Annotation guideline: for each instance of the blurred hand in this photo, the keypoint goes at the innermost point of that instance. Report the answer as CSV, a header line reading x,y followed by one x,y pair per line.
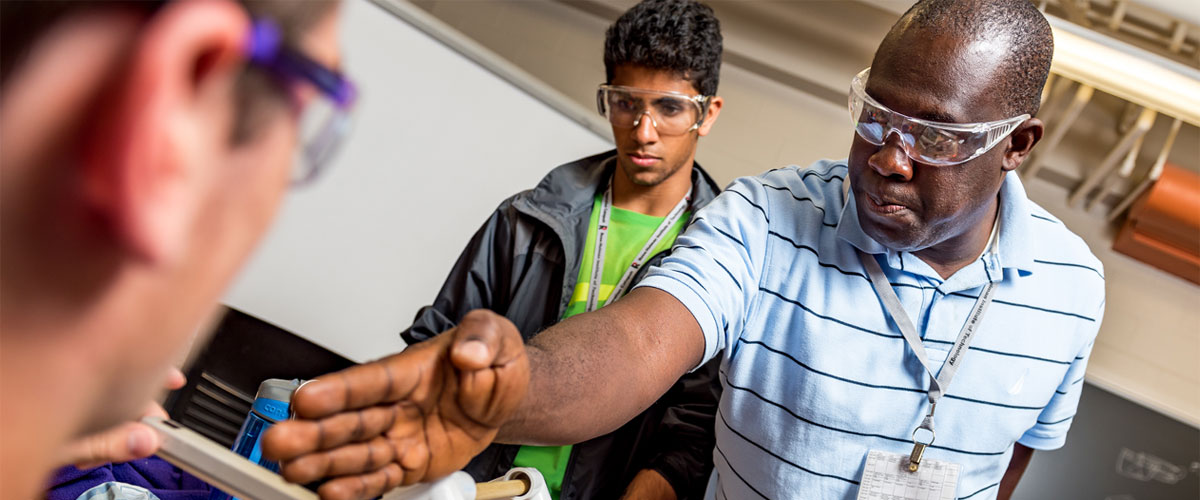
x,y
648,484
125,442
415,416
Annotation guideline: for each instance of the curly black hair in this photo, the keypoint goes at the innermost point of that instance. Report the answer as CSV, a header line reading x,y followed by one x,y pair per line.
x,y
682,36
1017,23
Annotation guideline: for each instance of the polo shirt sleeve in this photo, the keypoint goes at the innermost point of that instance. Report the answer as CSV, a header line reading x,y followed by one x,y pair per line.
x,y
1050,431
715,265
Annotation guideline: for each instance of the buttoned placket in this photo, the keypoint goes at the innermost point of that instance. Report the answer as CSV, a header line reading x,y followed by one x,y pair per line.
x,y
933,313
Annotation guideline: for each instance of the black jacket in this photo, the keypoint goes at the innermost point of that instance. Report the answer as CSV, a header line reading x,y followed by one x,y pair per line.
x,y
523,263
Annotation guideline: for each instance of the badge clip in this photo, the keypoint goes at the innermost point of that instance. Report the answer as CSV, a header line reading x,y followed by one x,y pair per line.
x,y
914,460
918,451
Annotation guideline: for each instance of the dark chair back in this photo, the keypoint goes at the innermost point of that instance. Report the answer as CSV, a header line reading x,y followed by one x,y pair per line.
x,y
224,377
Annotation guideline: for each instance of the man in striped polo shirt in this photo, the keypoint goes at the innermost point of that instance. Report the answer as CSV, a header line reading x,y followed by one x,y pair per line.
x,y
845,297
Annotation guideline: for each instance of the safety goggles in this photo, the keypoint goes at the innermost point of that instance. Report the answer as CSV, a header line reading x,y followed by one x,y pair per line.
x,y
671,113
929,142
324,121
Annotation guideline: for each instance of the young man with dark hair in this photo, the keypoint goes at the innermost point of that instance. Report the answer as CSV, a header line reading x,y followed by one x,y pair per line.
x,y
588,231
145,148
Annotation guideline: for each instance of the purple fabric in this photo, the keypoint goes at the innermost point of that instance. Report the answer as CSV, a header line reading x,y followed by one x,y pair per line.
x,y
154,474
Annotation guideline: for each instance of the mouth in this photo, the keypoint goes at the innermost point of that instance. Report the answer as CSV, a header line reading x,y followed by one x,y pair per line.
x,y
643,160
884,206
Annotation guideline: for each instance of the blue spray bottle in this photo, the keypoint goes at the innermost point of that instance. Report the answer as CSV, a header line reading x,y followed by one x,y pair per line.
x,y
271,405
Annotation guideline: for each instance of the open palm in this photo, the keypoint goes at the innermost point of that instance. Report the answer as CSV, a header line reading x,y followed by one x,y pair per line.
x,y
414,416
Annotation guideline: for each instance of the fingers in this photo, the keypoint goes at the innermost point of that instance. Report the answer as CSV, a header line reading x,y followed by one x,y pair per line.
x,y
326,408
155,410
125,442
476,395
128,441
494,369
418,414
482,339
364,486
175,379
491,396
387,380
405,447
350,459
290,439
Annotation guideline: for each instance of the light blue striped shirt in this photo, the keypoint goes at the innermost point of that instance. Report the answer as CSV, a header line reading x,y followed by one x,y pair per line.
x,y
815,374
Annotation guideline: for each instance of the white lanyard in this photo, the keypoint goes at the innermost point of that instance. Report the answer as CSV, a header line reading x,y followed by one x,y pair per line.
x,y
937,385
638,260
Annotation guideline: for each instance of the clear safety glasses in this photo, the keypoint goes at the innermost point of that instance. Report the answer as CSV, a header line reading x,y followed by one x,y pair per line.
x,y
929,142
324,121
671,113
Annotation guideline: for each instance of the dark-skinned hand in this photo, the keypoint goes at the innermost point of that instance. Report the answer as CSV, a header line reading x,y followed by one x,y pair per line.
x,y
415,416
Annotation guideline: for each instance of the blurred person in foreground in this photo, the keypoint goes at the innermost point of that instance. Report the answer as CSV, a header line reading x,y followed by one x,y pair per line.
x,y
145,148
844,296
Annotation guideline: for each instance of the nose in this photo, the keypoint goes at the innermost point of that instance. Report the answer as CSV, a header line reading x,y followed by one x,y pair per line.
x,y
891,160
644,129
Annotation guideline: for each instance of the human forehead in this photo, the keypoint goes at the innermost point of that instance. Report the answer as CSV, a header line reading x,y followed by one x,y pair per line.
x,y
644,78
940,79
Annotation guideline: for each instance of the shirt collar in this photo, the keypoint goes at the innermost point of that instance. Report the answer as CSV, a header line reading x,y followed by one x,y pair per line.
x,y
1016,226
1015,248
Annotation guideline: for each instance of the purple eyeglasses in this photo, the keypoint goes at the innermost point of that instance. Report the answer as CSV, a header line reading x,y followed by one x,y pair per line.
x,y
323,122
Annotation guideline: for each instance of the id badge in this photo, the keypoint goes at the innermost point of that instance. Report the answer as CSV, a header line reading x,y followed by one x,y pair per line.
x,y
886,477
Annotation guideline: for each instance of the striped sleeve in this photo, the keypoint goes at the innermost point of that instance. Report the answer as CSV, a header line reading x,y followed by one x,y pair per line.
x,y
716,263
1050,431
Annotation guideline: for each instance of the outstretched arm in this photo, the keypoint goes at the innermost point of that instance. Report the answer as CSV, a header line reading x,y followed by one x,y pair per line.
x,y
423,413
620,359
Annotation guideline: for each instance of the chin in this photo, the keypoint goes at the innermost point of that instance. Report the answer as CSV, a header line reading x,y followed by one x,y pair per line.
x,y
641,176
898,238
647,180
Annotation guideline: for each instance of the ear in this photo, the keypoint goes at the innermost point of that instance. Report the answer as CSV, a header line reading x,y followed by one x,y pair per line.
x,y
714,110
1021,143
169,110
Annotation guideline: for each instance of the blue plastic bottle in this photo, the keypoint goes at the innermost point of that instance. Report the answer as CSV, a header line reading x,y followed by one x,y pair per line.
x,y
270,406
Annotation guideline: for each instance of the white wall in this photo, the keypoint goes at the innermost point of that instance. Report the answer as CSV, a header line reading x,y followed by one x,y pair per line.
x,y
438,143
764,124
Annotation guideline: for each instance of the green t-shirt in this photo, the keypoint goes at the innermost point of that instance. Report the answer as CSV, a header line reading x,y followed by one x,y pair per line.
x,y
627,232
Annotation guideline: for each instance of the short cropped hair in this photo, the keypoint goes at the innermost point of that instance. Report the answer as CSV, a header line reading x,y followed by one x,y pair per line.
x,y
1030,41
682,36
23,22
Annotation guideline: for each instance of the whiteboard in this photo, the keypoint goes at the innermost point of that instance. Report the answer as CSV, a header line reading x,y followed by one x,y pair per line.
x,y
437,143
